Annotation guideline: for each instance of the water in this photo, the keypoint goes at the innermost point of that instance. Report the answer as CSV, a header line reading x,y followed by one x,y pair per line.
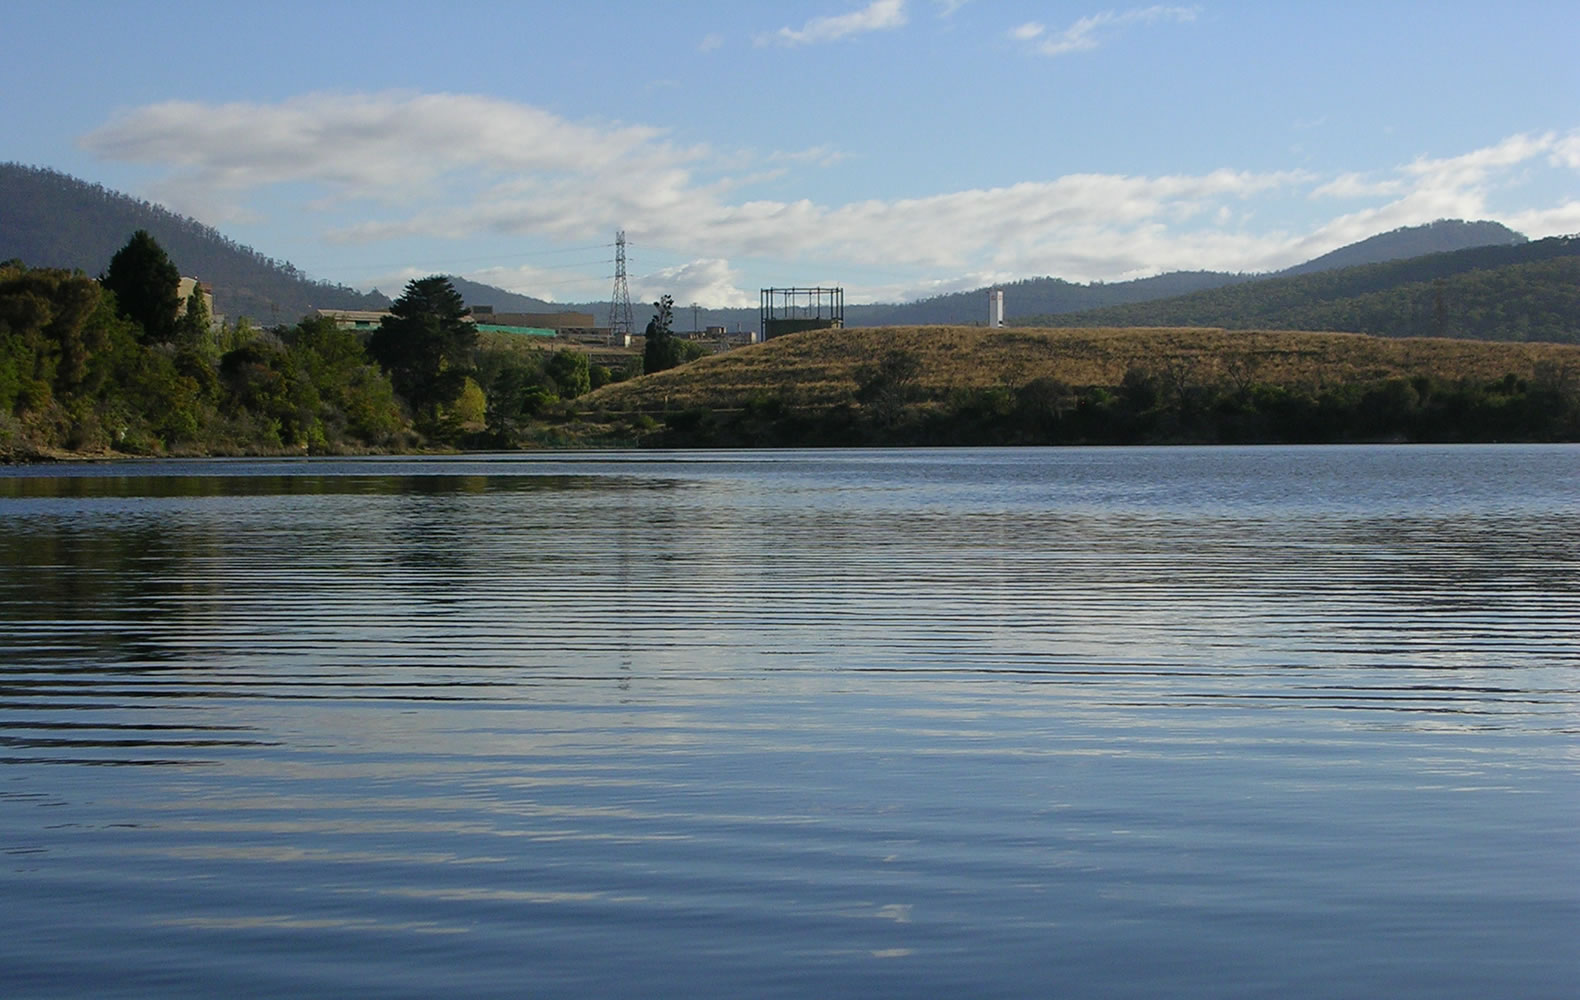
x,y
1100,723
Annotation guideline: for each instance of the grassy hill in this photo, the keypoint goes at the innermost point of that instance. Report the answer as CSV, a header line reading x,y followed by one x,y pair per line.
x,y
823,367
973,385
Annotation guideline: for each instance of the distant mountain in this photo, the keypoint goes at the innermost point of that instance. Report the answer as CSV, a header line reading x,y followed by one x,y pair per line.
x,y
1036,295
476,293
1520,291
1053,296
50,219
1442,236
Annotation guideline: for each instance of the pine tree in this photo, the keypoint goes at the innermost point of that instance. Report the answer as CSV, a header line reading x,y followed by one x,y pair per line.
x,y
426,345
146,286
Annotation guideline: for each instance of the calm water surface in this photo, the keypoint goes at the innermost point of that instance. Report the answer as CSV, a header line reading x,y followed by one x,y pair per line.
x,y
1091,723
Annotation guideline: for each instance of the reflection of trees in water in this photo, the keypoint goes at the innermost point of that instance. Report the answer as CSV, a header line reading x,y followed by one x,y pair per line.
x,y
429,531
104,595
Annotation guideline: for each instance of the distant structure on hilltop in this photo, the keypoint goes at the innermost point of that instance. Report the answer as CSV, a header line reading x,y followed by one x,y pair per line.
x,y
791,310
996,307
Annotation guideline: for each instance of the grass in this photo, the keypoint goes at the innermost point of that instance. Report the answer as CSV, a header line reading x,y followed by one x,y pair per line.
x,y
820,368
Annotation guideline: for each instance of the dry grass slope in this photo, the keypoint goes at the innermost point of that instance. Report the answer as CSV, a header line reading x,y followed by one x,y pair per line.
x,y
819,368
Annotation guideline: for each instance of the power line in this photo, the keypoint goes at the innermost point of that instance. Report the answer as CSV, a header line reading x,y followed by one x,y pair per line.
x,y
449,263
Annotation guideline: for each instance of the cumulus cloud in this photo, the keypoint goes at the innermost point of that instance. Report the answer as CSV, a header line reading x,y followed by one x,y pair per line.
x,y
1558,220
880,15
467,168
711,282
1453,187
1088,32
1566,153
369,145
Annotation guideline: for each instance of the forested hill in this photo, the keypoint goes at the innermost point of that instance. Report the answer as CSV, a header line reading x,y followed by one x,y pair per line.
x,y
1037,295
477,294
1527,291
1025,300
1442,236
50,219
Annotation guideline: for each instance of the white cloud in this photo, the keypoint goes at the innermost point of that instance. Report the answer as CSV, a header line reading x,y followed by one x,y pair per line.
x,y
822,156
709,282
1353,185
1559,220
710,41
880,15
469,169
1428,189
379,145
1566,153
1087,32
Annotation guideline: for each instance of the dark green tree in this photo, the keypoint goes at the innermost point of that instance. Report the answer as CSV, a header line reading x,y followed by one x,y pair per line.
x,y
146,286
516,395
355,396
661,351
427,346
570,373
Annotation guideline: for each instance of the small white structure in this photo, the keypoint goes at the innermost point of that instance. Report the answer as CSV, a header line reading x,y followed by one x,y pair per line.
x,y
996,307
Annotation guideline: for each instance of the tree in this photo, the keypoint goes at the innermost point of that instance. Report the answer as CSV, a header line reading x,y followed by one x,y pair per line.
x,y
146,286
355,396
515,396
570,372
426,345
885,387
661,350
194,325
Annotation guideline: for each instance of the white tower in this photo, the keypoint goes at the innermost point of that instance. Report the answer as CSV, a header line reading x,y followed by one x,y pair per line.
x,y
996,307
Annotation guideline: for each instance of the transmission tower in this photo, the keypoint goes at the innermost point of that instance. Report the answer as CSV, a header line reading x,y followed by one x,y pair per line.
x,y
620,331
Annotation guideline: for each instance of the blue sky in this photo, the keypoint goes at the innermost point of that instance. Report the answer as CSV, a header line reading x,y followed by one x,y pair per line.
x,y
899,148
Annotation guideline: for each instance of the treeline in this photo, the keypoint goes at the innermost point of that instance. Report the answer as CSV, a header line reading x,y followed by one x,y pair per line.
x,y
78,374
121,365
1148,406
53,219
1528,291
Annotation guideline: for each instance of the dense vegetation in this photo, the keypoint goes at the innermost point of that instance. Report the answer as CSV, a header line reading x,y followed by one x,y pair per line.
x,y
77,373
121,365
1528,291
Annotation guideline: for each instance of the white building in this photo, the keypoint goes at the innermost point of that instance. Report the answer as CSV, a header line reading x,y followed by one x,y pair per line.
x,y
996,307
